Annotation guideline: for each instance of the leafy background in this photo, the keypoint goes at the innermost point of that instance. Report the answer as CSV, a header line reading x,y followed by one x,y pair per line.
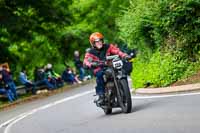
x,y
165,33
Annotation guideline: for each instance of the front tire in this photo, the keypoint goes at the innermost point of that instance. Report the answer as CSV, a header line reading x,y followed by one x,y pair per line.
x,y
126,102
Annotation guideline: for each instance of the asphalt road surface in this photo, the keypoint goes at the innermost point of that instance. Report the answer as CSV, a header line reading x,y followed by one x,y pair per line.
x,y
74,112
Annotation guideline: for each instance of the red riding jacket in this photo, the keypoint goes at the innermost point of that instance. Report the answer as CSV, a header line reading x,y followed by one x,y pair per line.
x,y
94,55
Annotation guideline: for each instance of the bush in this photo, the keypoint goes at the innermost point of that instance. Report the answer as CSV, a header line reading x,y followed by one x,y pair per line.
x,y
159,70
170,25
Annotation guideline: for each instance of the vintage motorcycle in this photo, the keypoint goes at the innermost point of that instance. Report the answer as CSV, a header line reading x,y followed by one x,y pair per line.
x,y
117,92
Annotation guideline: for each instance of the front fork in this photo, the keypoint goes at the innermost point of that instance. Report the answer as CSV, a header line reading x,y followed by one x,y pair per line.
x,y
120,75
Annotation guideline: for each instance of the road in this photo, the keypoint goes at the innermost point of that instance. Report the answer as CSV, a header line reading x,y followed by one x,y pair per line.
x,y
74,112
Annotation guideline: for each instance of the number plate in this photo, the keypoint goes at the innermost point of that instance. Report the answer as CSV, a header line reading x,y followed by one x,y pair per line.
x,y
118,64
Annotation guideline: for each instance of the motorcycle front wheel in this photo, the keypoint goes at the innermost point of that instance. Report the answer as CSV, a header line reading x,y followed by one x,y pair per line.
x,y
126,102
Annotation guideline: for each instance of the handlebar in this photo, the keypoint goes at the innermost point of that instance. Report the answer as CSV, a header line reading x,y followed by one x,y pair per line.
x,y
106,62
111,57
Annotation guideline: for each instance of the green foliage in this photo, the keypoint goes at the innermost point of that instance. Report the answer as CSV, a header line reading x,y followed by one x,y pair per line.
x,y
165,32
138,24
169,26
48,31
31,32
91,16
161,70
156,23
191,69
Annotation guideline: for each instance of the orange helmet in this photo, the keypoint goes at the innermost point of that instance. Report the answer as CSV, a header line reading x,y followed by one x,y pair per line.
x,y
96,36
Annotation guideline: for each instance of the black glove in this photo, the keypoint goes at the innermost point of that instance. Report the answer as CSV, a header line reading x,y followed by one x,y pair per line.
x,y
127,57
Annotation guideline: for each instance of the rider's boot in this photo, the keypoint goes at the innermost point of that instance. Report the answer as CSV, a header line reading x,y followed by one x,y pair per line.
x,y
100,100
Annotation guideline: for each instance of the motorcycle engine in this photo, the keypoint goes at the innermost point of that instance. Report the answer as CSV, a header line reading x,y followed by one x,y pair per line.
x,y
109,85
108,72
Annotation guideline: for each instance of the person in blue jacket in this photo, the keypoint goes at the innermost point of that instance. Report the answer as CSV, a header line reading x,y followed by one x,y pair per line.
x,y
24,80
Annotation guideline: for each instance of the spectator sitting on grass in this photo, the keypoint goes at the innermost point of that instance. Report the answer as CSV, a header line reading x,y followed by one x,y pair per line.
x,y
69,76
24,80
53,77
40,79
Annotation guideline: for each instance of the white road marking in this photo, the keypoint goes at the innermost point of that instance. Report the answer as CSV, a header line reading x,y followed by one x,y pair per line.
x,y
165,96
8,124
14,120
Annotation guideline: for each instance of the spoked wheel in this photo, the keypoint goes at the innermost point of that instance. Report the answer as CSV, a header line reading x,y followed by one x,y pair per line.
x,y
125,96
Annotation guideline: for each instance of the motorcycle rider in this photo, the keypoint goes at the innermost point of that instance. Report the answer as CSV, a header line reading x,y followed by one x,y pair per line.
x,y
97,54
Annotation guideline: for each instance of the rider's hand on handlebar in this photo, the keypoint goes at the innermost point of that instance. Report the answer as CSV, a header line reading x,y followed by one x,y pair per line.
x,y
127,57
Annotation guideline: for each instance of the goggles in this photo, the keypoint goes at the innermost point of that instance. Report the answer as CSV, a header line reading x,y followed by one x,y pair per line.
x,y
98,40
